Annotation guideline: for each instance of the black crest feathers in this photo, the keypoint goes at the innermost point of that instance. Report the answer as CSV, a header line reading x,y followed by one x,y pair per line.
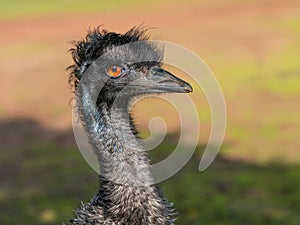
x,y
95,44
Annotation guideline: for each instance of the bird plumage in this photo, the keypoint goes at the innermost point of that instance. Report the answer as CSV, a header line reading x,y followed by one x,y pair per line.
x,y
127,193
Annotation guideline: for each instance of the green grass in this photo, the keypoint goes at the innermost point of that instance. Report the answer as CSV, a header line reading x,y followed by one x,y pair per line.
x,y
42,182
47,181
278,74
25,8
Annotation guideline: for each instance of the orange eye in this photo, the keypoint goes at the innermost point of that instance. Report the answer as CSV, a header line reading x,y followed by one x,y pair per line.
x,y
115,71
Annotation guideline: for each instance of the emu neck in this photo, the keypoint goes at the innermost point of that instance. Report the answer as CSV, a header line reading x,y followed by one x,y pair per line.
x,y
111,133
124,195
121,157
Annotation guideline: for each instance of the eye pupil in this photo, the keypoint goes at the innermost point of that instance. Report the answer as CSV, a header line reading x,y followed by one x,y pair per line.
x,y
115,71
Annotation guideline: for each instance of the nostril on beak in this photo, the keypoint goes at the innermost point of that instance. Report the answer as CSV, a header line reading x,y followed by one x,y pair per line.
x,y
164,80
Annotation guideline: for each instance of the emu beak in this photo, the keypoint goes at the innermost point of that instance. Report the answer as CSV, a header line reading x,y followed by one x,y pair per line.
x,y
164,81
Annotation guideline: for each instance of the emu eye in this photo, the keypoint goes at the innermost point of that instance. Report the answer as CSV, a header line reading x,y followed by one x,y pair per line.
x,y
115,71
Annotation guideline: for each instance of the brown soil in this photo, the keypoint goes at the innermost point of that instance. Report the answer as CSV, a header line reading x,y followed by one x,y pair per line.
x,y
34,51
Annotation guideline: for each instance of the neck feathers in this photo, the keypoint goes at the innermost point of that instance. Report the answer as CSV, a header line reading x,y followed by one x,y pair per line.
x,y
122,159
124,167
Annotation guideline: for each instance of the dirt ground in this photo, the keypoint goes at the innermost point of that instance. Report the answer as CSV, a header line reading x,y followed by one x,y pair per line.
x,y
34,53
248,44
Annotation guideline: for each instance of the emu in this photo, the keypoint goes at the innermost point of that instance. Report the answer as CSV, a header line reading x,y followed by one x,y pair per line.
x,y
110,71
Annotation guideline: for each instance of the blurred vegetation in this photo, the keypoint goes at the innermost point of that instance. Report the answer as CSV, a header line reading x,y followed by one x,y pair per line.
x,y
48,180
255,179
23,8
15,9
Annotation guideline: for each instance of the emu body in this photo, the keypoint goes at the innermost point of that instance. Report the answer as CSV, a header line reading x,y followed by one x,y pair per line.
x,y
127,195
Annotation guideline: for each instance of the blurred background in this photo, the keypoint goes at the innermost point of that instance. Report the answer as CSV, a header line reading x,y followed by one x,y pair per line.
x,y
252,47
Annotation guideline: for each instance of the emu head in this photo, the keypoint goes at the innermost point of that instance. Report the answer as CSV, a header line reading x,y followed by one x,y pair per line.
x,y
127,64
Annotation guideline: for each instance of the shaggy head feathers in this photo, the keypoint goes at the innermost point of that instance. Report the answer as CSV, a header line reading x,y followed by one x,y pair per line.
x,y
98,41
